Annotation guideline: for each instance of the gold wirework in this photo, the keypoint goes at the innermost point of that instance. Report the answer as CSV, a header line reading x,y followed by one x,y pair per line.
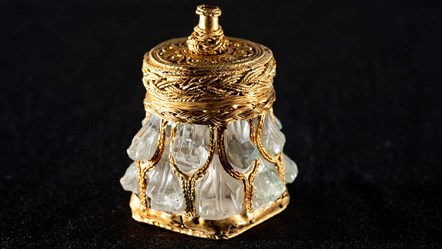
x,y
207,37
246,178
188,182
267,156
144,167
208,78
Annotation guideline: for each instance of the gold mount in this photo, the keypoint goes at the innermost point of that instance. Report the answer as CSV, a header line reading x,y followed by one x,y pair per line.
x,y
188,222
210,229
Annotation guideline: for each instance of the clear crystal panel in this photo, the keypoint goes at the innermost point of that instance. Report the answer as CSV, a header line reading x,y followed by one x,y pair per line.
x,y
267,185
129,181
164,188
241,151
145,141
218,195
272,138
190,149
290,168
278,122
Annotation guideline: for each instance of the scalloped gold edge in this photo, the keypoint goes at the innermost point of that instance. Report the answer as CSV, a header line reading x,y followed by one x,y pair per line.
x,y
210,229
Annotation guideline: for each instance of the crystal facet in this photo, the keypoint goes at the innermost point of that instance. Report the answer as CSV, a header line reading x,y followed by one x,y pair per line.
x,y
241,151
267,185
145,141
218,195
290,168
129,181
272,138
190,147
164,188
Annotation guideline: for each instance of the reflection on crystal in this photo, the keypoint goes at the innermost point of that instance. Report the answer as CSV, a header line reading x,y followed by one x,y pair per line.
x,y
290,168
218,195
241,151
168,128
278,122
272,138
190,149
129,181
267,185
145,141
164,188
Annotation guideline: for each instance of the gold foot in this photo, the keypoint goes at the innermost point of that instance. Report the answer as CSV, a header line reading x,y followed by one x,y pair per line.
x,y
211,229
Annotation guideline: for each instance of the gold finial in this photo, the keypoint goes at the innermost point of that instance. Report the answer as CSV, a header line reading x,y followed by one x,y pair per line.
x,y
208,17
208,36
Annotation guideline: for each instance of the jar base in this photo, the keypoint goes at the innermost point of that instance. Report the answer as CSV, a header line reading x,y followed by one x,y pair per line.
x,y
212,229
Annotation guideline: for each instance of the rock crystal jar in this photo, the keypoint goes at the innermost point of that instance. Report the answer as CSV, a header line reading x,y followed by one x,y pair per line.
x,y
208,159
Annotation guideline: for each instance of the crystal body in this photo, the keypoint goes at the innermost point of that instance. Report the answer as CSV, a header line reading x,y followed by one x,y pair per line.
x,y
218,195
164,189
145,141
291,169
241,151
268,185
272,138
129,181
190,147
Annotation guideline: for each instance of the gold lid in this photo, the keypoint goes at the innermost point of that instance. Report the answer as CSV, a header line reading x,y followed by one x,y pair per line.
x,y
208,78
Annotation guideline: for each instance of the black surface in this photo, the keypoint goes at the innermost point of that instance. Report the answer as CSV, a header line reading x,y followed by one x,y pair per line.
x,y
357,87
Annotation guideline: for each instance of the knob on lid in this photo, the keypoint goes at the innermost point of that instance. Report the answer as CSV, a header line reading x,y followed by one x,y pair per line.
x,y
208,78
207,37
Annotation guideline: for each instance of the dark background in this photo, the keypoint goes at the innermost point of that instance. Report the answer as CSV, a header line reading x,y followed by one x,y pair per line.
x,y
357,92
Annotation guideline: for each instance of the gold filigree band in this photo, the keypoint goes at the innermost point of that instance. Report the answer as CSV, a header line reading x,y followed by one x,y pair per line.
x,y
207,43
216,99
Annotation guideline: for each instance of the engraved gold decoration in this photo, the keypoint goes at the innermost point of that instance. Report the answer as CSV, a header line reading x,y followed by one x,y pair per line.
x,y
213,81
